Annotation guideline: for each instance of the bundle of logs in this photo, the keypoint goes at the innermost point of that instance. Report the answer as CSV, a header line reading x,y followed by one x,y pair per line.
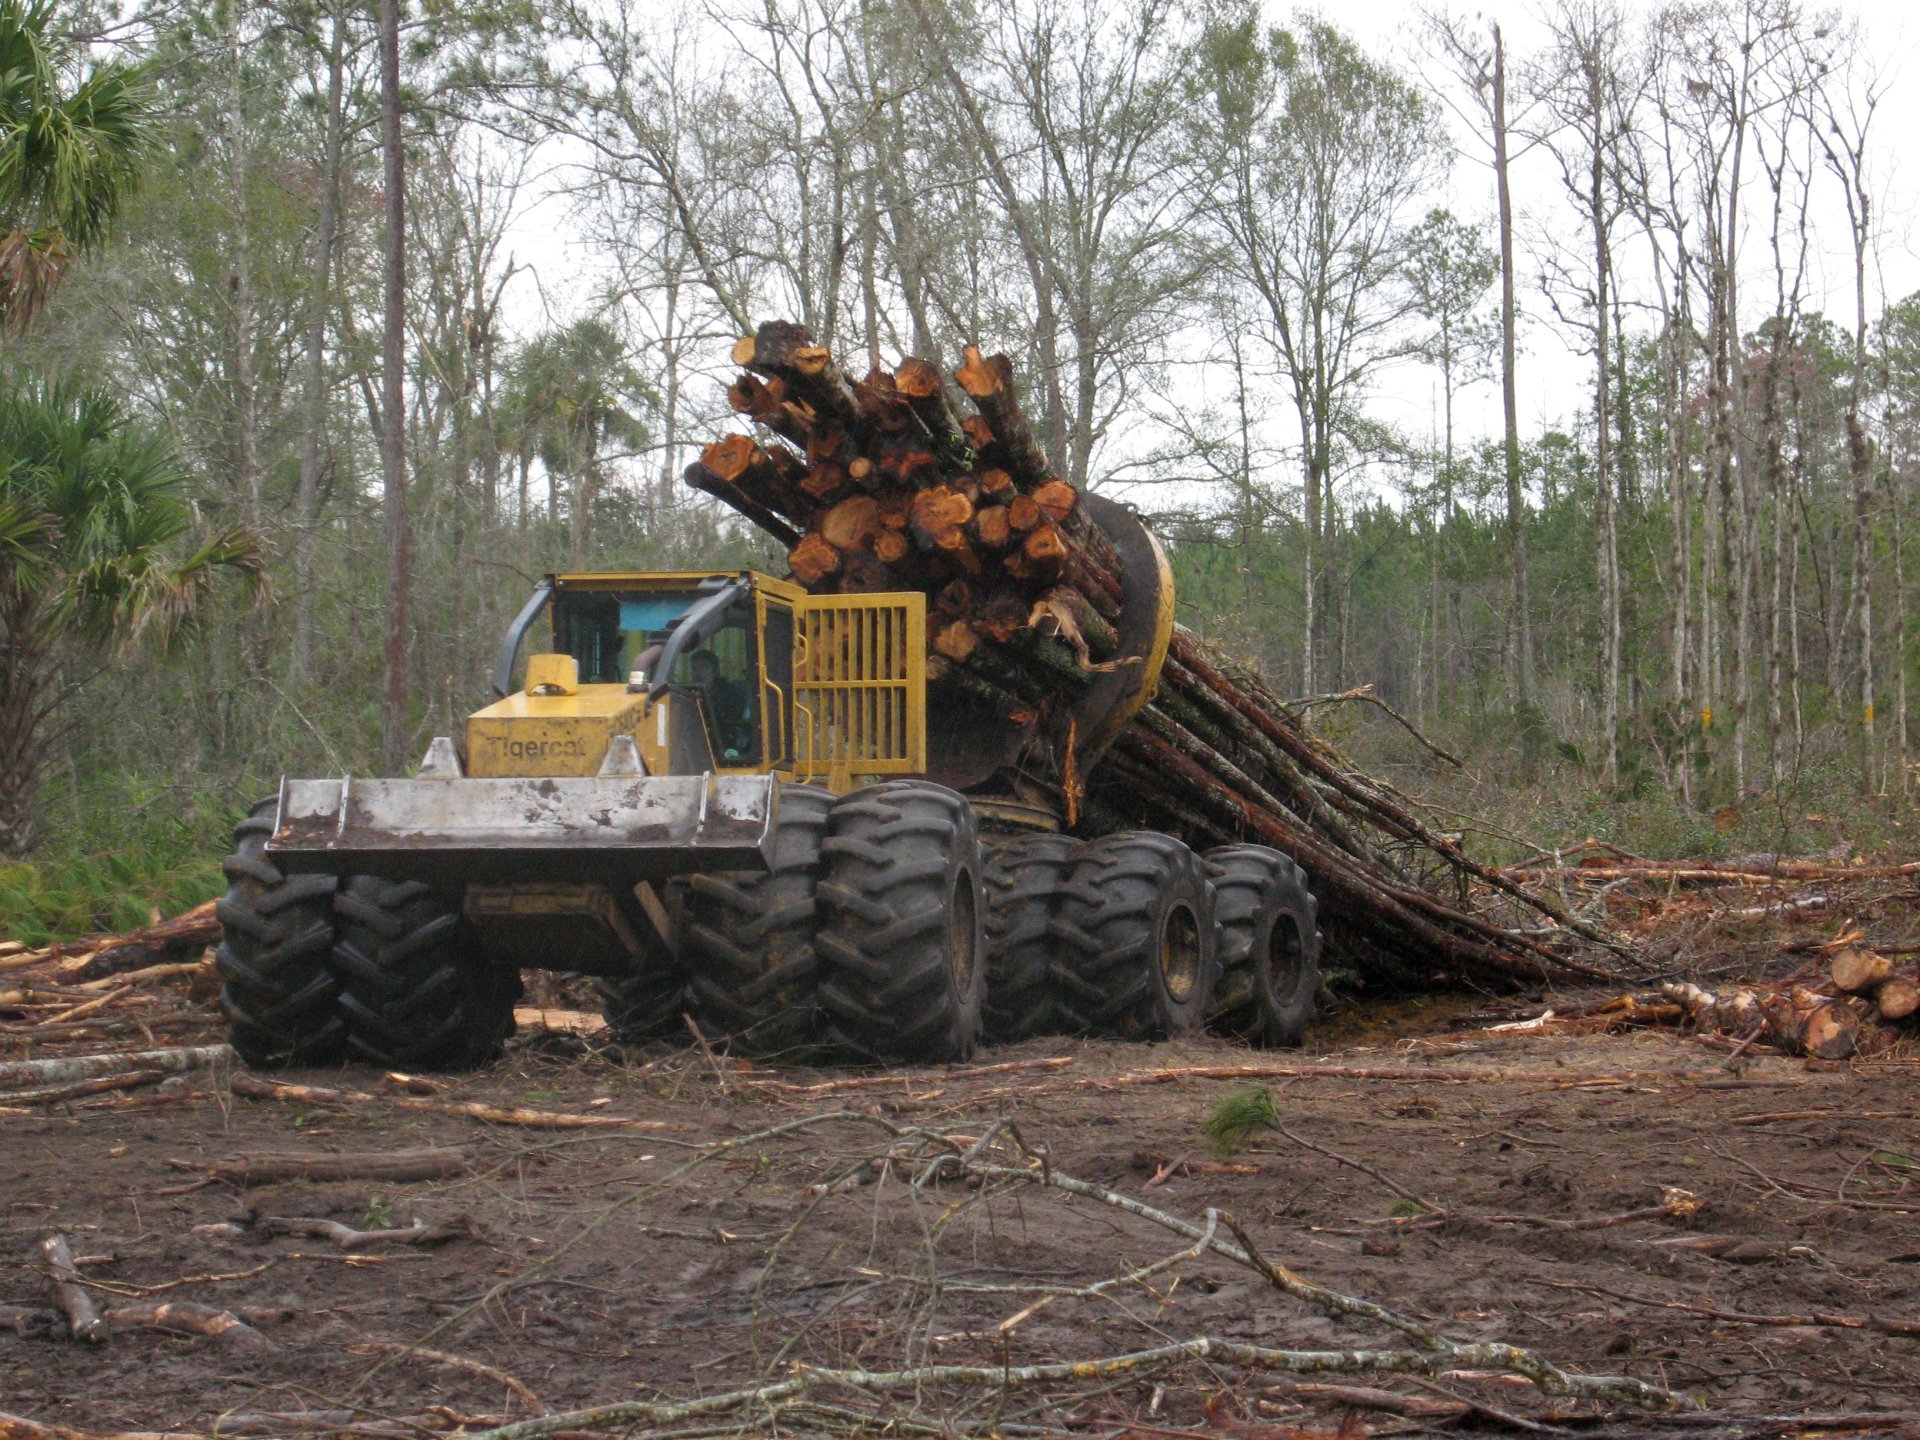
x,y
1872,1005
886,484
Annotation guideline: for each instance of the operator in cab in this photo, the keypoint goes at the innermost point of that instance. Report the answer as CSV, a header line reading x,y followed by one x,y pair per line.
x,y
727,704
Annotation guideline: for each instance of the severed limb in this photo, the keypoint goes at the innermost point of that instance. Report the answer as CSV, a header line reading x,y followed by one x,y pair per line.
x,y
83,1317
457,1362
347,1238
188,1318
19,1427
255,1087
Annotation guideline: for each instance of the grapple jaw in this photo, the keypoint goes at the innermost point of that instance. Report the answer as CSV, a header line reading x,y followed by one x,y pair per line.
x,y
453,830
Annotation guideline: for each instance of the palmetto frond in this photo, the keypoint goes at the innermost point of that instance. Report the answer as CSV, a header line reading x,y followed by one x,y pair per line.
x,y
115,540
32,265
69,155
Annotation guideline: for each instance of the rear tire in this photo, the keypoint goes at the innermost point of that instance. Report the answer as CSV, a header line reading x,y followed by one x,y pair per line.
x,y
1024,878
747,937
418,995
1269,946
1136,927
903,946
275,955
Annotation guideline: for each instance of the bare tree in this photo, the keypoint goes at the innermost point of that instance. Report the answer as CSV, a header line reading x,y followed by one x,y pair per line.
x,y
1592,107
1314,156
393,359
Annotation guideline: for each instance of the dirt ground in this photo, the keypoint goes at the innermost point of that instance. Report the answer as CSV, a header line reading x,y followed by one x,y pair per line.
x,y
594,1266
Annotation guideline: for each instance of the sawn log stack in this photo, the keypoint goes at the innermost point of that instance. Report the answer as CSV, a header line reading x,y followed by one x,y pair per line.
x,y
887,483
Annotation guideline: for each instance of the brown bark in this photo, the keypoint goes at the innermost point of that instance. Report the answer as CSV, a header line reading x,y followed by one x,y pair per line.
x,y
1898,998
83,1317
988,382
393,359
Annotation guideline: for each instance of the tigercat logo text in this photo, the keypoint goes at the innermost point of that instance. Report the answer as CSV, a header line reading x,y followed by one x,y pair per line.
x,y
546,749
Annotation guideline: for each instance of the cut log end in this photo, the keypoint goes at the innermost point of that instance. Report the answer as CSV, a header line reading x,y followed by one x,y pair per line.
x,y
1898,998
812,561
1858,972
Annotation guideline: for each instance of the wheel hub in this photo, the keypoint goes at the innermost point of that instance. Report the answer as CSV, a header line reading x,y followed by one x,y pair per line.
x,y
1180,953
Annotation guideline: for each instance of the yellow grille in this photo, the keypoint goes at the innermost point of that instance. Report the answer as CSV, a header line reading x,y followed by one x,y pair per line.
x,y
859,679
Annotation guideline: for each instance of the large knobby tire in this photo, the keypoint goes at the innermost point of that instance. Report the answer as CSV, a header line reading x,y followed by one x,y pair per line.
x,y
1024,878
1136,929
1269,945
646,1006
280,992
747,937
902,941
418,995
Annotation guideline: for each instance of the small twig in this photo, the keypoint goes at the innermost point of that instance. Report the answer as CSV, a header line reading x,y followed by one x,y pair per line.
x,y
1813,1319
458,1362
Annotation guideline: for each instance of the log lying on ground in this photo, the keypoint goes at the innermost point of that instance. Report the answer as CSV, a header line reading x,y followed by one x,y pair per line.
x,y
881,484
86,1067
1796,1020
394,1167
83,1319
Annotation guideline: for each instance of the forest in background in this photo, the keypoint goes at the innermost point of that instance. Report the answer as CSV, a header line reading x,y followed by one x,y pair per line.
x,y
1213,239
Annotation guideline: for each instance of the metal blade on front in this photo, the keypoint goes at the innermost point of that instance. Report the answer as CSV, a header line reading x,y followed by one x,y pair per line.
x,y
469,829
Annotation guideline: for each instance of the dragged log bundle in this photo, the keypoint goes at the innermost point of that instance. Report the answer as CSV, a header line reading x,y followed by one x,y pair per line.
x,y
885,483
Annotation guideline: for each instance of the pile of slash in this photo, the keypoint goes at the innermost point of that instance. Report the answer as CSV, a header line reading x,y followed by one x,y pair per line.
x,y
146,992
1744,969
882,484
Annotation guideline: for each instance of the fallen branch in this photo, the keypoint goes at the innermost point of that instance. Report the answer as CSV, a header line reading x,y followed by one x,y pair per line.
x,y
457,1362
18,1427
1205,1348
1414,1074
86,1067
910,1077
347,1238
255,1087
188,1318
99,1085
397,1167
1812,1319
83,1319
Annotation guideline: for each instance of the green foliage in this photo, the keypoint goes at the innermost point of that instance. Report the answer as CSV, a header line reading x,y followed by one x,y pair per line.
x,y
1237,1117
98,517
72,142
126,848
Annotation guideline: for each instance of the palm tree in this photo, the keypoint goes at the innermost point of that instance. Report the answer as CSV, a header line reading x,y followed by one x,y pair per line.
x,y
69,154
98,552
570,394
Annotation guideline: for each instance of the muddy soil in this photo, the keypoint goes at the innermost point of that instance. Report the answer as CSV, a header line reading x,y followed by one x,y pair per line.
x,y
590,1266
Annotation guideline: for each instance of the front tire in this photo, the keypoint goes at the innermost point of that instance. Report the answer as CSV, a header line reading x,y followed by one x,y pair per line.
x,y
1137,939
417,996
748,937
903,946
280,993
1269,946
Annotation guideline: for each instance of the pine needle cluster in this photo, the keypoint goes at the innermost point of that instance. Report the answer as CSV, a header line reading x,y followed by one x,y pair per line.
x,y
1234,1119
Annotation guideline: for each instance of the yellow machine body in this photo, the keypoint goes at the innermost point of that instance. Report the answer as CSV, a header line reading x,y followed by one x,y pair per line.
x,y
835,687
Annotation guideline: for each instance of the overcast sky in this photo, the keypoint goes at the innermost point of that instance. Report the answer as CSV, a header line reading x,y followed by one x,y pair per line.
x,y
1554,382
